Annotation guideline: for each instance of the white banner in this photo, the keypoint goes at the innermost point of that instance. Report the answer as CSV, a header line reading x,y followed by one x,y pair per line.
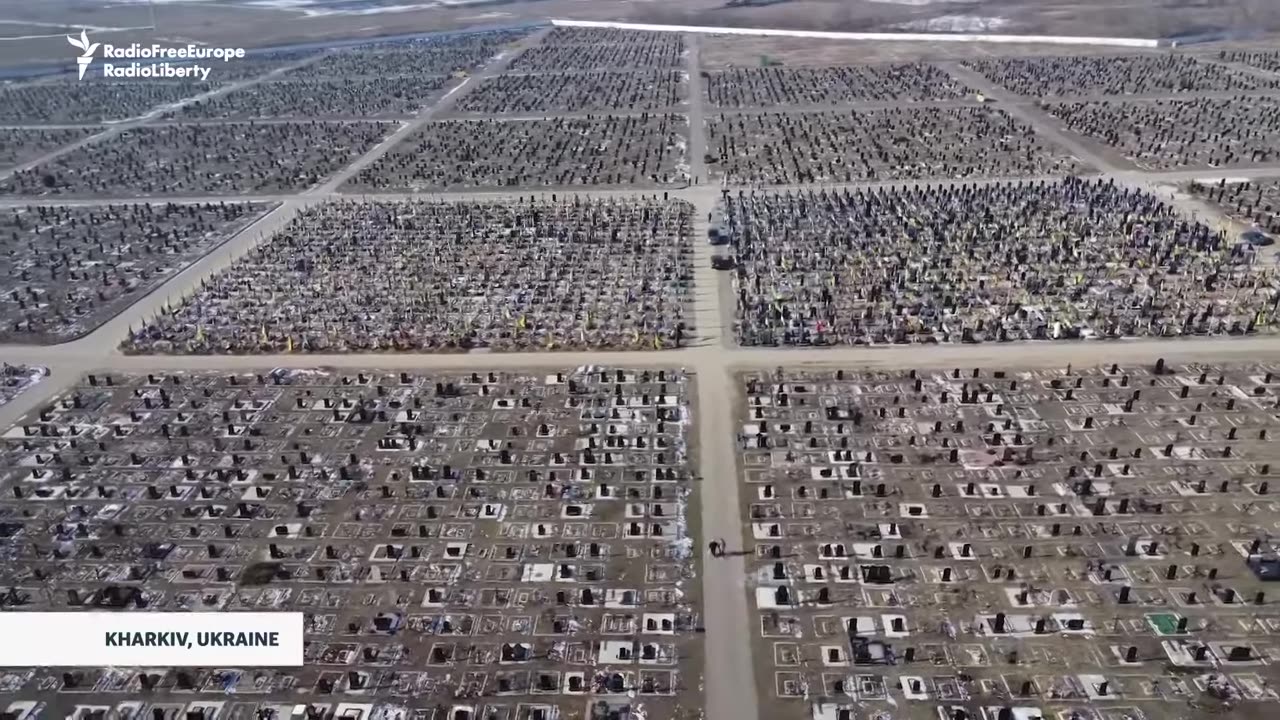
x,y
102,639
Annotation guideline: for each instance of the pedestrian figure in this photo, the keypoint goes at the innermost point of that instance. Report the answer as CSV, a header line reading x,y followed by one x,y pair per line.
x,y
716,550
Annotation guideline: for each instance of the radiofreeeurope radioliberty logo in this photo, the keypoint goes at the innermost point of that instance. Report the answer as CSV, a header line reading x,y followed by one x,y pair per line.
x,y
151,61
86,51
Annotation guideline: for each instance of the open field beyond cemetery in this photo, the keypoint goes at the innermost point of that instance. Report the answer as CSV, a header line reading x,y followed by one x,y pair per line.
x,y
596,374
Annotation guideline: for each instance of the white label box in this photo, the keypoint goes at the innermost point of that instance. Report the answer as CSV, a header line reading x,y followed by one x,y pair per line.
x,y
173,639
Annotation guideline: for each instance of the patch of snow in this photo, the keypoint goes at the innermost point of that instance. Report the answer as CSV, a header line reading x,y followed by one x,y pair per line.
x,y
315,8
161,2
383,10
281,4
956,23
64,28
486,16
